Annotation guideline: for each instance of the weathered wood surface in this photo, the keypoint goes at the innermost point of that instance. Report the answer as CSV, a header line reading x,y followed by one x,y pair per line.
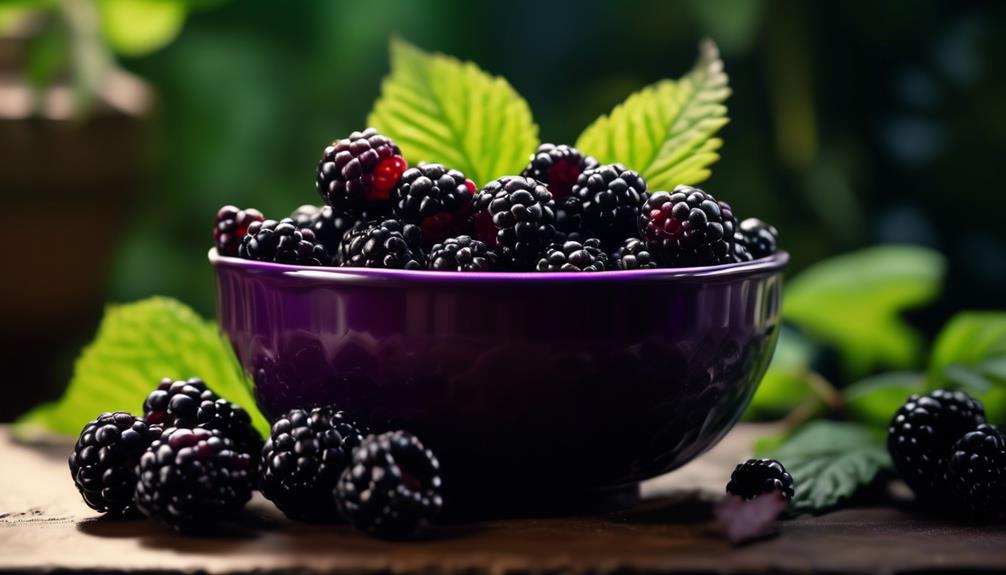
x,y
44,526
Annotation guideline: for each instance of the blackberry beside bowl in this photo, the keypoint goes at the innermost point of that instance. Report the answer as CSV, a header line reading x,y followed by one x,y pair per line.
x,y
528,386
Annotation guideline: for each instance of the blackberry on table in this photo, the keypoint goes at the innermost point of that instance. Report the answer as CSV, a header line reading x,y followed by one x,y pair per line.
x,y
462,254
757,476
516,216
611,197
357,173
574,257
435,198
231,227
760,238
392,488
191,479
303,459
558,167
922,434
191,403
976,470
383,244
103,461
328,226
282,242
689,227
634,255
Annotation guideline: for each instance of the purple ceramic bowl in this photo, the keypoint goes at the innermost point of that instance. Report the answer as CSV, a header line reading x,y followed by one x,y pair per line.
x,y
525,384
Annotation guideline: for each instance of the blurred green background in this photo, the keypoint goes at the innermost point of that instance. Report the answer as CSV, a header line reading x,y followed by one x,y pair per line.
x,y
852,124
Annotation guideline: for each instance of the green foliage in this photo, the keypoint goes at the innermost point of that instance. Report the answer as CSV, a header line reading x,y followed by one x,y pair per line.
x,y
970,354
439,109
665,131
139,27
853,302
875,399
785,385
136,346
829,462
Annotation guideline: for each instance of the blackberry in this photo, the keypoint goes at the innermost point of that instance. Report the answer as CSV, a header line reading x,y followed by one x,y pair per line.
x,y
383,244
282,242
976,471
611,197
191,403
757,476
741,251
328,226
392,488
303,459
922,434
462,254
760,238
104,459
558,167
516,216
574,257
357,173
231,227
436,199
688,227
190,479
569,220
634,255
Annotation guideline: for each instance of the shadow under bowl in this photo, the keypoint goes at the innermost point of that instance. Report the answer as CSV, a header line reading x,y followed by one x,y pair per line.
x,y
528,386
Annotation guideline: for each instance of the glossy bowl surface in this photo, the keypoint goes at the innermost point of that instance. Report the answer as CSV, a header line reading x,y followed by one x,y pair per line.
x,y
523,383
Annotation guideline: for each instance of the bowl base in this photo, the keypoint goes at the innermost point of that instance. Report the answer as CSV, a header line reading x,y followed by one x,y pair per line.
x,y
463,508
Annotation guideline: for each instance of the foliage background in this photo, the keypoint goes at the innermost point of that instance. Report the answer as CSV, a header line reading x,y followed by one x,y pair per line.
x,y
852,123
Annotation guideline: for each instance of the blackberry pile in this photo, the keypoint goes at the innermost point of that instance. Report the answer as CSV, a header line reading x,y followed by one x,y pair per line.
x,y
373,199
943,449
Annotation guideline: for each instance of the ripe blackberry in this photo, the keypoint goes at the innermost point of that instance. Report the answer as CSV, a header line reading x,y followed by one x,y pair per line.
x,y
760,238
282,242
103,461
634,255
976,471
515,216
558,167
190,479
688,227
357,173
741,252
392,488
328,227
383,244
574,257
303,459
569,220
231,227
462,254
922,434
436,199
612,197
757,476
191,403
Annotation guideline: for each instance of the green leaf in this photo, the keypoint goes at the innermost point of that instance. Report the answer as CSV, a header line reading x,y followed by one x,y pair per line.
x,y
665,131
785,384
829,462
136,346
853,302
139,27
439,109
970,354
875,399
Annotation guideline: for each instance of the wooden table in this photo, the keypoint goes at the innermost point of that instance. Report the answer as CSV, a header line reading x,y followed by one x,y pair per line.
x,y
44,527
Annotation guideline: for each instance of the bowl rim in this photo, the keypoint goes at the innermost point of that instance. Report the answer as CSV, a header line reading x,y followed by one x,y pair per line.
x,y
769,264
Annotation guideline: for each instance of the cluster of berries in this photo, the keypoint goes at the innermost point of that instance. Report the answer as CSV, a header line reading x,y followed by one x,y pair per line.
x,y
564,212
193,460
952,459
